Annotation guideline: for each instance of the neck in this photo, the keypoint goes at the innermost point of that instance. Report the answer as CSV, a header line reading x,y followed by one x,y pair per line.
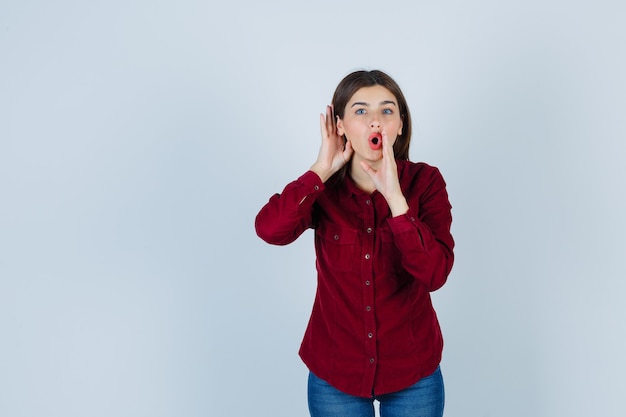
x,y
360,177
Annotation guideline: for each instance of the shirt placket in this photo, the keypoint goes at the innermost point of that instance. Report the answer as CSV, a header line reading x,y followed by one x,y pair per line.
x,y
367,285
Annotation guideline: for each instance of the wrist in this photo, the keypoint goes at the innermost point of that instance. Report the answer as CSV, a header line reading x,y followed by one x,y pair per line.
x,y
398,205
324,174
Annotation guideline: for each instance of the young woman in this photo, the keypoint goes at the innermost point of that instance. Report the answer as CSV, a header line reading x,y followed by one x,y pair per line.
x,y
383,243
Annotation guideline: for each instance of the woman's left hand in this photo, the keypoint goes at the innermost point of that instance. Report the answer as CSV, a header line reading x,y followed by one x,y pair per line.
x,y
386,179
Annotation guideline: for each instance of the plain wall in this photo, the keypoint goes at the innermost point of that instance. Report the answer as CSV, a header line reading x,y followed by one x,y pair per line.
x,y
138,140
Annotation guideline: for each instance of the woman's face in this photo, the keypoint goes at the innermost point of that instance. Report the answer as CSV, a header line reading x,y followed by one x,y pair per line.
x,y
369,112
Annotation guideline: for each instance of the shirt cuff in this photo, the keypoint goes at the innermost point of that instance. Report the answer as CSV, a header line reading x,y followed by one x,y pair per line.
x,y
403,223
312,182
409,223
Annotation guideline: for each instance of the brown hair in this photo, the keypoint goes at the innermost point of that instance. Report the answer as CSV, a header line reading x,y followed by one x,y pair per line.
x,y
359,79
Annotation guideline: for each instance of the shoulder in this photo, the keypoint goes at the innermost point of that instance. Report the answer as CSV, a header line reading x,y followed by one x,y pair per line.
x,y
418,171
422,181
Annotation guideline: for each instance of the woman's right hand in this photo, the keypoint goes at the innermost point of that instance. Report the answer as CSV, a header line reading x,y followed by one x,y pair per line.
x,y
333,153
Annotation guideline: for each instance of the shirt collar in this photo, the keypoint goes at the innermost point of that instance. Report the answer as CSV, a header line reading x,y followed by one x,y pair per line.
x,y
349,187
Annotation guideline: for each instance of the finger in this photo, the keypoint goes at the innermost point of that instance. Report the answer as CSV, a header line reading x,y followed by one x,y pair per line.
x,y
368,169
347,151
348,147
323,129
389,161
387,147
330,121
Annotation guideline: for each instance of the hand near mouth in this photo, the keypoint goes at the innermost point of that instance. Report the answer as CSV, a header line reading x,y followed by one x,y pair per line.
x,y
386,177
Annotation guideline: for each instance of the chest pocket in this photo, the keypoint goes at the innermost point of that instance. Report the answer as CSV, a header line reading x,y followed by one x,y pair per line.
x,y
389,251
338,247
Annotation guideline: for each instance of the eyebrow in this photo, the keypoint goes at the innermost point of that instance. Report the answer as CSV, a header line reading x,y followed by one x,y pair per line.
x,y
382,103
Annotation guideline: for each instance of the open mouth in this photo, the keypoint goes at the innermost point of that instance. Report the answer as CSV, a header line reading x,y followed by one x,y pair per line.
x,y
376,141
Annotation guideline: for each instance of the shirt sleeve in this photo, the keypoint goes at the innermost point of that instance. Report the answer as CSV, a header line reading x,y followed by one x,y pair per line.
x,y
287,215
423,236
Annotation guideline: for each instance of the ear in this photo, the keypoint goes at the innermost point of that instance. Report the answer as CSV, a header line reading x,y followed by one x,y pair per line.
x,y
400,129
340,129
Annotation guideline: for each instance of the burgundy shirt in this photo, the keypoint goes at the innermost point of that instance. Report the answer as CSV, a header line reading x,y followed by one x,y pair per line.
x,y
373,329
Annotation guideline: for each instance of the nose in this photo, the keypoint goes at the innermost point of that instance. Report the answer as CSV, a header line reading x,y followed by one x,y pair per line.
x,y
375,124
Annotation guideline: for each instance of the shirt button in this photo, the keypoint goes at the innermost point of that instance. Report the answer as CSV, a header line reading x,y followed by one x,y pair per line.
x,y
367,283
368,202
370,335
368,308
371,360
336,237
369,230
316,188
367,256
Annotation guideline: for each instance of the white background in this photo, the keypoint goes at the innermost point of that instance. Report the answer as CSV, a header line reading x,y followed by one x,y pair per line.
x,y
138,140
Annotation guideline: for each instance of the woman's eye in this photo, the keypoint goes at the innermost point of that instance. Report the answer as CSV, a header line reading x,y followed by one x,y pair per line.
x,y
360,111
387,111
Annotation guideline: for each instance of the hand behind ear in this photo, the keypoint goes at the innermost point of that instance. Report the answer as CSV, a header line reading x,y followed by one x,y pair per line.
x,y
333,153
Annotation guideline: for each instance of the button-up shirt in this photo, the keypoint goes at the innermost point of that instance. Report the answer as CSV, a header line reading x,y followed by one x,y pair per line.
x,y
373,329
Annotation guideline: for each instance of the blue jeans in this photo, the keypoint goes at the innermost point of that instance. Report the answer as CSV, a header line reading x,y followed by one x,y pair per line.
x,y
424,399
